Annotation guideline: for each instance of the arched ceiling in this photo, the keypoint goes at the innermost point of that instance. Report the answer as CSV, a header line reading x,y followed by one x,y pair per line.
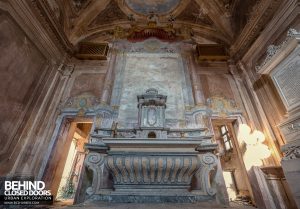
x,y
213,21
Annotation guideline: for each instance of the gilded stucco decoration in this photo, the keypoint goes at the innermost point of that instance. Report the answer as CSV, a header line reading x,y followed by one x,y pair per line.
x,y
153,29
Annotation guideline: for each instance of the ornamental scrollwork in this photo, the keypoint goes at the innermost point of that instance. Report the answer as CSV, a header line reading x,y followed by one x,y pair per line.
x,y
272,50
209,163
292,152
94,162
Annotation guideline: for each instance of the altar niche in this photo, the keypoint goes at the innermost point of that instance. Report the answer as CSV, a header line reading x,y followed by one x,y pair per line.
x,y
152,135
151,114
152,163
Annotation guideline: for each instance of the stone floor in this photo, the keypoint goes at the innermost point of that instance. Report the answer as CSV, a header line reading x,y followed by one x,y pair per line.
x,y
233,205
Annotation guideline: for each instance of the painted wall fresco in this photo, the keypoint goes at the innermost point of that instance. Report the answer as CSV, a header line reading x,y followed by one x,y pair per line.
x,y
88,83
216,85
158,70
156,6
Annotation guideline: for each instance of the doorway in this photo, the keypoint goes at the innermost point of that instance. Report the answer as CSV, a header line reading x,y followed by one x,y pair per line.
x,y
230,184
73,165
65,165
229,150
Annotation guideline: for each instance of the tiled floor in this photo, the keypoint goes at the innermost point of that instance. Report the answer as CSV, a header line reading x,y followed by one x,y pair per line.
x,y
233,205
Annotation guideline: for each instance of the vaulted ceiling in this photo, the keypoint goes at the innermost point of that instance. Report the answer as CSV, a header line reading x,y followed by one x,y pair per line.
x,y
233,23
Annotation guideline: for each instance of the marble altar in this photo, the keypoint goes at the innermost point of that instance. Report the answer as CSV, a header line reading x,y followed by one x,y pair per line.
x,y
149,164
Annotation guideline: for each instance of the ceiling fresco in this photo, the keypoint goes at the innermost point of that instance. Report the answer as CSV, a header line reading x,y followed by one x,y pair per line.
x,y
194,14
146,7
232,23
111,13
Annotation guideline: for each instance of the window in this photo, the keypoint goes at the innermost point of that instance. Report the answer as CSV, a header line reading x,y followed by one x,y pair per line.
x,y
226,138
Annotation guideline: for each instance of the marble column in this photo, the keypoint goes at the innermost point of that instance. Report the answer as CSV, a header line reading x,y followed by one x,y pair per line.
x,y
109,79
197,87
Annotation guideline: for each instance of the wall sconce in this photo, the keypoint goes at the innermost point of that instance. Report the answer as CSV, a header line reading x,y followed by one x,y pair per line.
x,y
256,150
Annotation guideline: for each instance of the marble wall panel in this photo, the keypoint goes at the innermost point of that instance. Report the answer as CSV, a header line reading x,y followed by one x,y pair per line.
x,y
152,70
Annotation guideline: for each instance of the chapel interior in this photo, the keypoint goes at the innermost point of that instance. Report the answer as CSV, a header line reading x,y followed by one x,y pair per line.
x,y
152,101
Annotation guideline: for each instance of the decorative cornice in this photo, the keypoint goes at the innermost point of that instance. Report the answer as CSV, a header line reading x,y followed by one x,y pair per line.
x,y
43,14
273,50
25,15
261,12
